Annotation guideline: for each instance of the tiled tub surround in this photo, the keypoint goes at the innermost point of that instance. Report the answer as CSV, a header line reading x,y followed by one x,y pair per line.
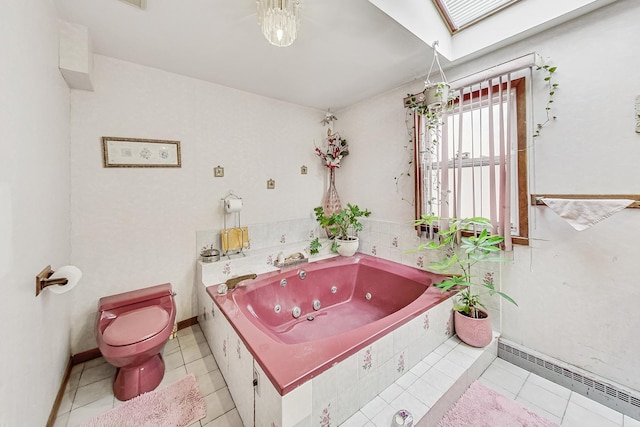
x,y
383,239
343,377
266,238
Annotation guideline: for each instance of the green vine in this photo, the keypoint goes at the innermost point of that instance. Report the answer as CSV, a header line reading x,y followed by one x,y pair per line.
x,y
415,104
552,91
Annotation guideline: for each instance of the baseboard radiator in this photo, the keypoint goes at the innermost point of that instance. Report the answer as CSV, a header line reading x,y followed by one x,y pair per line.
x,y
615,396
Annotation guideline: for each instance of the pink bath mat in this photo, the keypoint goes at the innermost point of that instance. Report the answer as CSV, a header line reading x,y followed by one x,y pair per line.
x,y
177,405
480,406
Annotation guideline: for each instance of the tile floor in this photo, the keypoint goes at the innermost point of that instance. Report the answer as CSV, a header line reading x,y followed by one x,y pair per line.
x,y
550,400
89,391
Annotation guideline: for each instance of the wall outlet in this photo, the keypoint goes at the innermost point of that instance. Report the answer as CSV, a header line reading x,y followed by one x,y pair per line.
x,y
256,381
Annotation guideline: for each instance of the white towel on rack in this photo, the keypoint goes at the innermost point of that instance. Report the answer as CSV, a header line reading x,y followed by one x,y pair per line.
x,y
583,213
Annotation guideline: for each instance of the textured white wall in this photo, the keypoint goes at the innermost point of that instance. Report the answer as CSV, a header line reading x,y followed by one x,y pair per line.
x,y
575,289
34,211
136,227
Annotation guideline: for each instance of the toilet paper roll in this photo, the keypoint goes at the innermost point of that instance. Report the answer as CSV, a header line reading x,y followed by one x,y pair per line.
x,y
233,205
69,272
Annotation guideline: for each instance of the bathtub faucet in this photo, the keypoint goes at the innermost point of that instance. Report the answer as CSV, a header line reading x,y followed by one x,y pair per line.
x,y
233,282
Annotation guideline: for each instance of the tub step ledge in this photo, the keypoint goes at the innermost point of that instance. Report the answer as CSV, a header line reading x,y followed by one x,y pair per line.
x,y
482,358
450,369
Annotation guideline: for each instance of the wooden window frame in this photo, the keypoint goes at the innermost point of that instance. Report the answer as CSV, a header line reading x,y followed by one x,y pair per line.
x,y
519,85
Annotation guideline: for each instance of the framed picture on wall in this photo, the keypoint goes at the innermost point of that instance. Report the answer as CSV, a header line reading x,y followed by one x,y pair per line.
x,y
140,153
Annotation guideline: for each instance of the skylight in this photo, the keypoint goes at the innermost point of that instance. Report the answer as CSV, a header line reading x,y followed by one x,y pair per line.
x,y
459,14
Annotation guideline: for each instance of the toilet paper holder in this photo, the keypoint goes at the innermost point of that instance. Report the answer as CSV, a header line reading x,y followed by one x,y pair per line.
x,y
42,280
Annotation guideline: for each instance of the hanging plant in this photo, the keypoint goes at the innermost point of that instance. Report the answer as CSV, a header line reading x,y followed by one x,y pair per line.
x,y
552,87
436,95
435,98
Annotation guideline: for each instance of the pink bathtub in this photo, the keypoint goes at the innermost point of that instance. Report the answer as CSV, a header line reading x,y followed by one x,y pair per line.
x,y
357,300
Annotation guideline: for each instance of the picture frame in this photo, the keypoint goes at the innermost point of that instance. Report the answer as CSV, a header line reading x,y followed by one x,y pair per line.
x,y
140,153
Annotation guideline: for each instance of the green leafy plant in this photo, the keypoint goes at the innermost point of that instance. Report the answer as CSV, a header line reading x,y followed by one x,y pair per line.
x,y
416,102
552,87
314,246
462,248
339,224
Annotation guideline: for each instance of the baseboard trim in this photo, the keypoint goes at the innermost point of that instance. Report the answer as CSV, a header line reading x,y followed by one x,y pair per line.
x,y
85,356
56,403
601,390
187,322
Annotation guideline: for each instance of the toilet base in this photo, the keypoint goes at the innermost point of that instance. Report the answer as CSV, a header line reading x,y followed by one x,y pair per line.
x,y
135,380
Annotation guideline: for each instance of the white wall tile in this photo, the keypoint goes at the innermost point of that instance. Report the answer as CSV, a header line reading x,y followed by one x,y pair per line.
x,y
347,370
347,402
325,388
268,403
297,405
384,348
367,387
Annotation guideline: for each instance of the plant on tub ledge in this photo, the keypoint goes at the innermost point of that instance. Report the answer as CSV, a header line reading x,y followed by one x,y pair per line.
x,y
462,252
339,225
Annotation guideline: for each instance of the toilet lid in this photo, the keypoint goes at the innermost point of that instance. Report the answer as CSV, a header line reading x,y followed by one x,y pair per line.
x,y
135,326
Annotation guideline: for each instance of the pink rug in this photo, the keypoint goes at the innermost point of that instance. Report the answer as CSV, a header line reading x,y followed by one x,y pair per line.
x,y
480,406
179,404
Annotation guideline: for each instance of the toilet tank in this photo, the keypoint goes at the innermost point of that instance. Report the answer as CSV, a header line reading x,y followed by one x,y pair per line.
x,y
134,297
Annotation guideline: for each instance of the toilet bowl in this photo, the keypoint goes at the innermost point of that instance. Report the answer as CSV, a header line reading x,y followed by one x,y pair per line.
x,y
132,329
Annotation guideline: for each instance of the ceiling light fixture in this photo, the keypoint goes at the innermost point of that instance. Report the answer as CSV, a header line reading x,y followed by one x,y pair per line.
x,y
279,20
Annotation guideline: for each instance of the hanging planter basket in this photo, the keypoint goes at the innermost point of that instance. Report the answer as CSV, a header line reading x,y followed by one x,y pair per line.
x,y
436,95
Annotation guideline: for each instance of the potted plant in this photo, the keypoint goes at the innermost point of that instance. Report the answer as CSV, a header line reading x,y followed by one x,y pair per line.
x,y
462,248
436,95
342,227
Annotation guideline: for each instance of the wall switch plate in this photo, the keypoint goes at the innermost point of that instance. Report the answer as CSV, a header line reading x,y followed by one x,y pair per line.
x,y
638,114
218,172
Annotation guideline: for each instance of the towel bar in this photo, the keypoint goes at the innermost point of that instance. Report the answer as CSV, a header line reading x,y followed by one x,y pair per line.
x,y
536,199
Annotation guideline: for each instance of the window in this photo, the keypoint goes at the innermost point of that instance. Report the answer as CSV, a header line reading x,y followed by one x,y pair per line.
x,y
479,166
460,14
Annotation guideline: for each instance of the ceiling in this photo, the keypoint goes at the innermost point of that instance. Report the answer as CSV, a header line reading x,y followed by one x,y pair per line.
x,y
346,50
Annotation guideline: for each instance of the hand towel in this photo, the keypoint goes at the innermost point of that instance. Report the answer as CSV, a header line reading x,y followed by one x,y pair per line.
x,y
235,239
583,213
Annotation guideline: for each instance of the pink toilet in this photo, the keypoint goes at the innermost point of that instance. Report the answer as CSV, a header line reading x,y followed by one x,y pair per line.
x,y
132,329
